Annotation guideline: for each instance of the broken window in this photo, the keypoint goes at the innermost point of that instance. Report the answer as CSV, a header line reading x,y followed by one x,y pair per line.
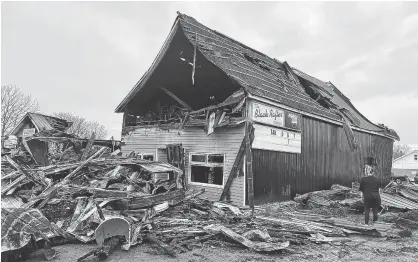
x,y
207,168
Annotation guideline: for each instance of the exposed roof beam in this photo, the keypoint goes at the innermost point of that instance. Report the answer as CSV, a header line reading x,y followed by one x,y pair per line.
x,y
181,102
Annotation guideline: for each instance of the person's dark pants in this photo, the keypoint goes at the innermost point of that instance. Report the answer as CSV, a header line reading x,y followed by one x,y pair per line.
x,y
372,203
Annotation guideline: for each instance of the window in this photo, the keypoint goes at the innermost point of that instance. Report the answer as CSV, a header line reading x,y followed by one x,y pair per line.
x,y
206,169
415,157
149,157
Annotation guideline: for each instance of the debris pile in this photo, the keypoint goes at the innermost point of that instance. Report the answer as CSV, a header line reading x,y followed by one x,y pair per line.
x,y
400,196
394,196
91,194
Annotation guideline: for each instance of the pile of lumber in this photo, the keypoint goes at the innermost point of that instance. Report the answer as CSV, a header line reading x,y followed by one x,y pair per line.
x,y
394,196
95,195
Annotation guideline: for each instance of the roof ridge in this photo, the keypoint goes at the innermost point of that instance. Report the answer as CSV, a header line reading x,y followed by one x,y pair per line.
x,y
232,39
407,154
49,116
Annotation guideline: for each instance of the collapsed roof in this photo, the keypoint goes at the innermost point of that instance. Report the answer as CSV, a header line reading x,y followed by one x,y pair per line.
x,y
42,122
236,66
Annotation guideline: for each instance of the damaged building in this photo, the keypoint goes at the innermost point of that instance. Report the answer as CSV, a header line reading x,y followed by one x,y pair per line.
x,y
244,126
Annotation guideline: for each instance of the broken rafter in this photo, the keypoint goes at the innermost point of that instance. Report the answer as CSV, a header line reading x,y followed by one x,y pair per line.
x,y
35,178
88,147
52,191
194,58
181,102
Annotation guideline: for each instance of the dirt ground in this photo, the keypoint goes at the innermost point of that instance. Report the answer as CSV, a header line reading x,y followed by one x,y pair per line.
x,y
354,248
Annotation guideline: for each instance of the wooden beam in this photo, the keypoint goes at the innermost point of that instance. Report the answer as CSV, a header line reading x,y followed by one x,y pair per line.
x,y
88,147
34,177
167,249
238,161
249,165
181,102
226,190
52,191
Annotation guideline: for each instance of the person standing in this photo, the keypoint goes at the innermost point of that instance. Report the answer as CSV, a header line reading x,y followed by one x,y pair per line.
x,y
370,187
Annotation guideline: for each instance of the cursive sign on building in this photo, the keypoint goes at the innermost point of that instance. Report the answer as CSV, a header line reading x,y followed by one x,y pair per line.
x,y
267,114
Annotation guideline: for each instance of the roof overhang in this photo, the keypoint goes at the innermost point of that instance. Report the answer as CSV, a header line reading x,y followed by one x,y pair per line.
x,y
19,125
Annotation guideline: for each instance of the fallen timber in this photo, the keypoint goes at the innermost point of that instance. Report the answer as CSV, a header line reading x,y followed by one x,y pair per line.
x,y
82,195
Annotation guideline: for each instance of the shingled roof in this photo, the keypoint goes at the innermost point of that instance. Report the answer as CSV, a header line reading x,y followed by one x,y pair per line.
x,y
261,75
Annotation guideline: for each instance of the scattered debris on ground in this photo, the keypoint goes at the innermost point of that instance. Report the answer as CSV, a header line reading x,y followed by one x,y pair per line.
x,y
92,195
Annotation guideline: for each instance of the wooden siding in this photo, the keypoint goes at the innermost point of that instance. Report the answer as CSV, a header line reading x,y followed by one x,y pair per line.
x,y
223,140
274,175
326,159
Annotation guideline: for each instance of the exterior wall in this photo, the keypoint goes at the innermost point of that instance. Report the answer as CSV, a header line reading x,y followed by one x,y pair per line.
x,y
407,162
223,140
20,132
326,159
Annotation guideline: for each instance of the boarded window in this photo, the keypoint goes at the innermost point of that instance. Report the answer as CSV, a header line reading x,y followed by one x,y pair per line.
x,y
207,169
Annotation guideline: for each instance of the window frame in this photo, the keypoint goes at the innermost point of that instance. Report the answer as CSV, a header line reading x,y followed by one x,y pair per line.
x,y
205,164
141,155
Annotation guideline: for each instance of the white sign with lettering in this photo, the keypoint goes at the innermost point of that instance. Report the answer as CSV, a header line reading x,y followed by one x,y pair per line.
x,y
276,139
28,132
267,114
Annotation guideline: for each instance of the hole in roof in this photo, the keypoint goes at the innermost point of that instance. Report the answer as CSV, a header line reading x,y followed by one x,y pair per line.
x,y
257,62
354,120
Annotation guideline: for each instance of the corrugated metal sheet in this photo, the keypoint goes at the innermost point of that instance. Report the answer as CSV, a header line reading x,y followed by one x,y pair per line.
x,y
40,121
223,140
397,201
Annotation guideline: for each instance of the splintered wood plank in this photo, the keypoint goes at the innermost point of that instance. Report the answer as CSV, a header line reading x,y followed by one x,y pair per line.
x,y
88,147
35,178
259,246
227,187
249,164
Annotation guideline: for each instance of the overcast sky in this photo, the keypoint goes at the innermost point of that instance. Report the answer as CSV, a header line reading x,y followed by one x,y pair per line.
x,y
85,57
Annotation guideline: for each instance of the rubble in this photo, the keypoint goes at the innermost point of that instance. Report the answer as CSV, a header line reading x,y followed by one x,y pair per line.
x,y
395,196
94,195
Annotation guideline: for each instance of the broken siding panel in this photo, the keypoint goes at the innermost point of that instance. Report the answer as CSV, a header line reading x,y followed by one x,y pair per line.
x,y
223,140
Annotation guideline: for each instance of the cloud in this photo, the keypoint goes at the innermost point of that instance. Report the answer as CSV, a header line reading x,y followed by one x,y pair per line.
x,y
84,57
393,111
